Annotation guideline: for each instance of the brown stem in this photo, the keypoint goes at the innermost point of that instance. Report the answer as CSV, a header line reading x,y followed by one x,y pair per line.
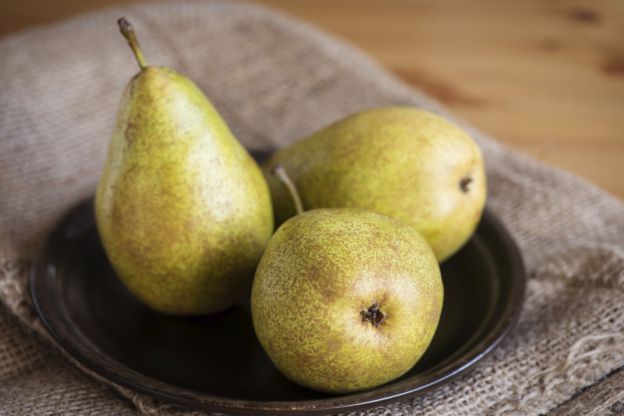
x,y
281,174
127,31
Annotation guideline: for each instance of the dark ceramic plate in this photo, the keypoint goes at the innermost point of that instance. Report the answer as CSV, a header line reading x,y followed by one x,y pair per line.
x,y
215,363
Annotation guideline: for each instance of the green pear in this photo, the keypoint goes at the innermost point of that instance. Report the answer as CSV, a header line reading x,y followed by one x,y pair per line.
x,y
345,299
404,162
183,211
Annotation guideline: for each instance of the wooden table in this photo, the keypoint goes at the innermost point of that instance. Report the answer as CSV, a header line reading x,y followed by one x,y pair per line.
x,y
544,76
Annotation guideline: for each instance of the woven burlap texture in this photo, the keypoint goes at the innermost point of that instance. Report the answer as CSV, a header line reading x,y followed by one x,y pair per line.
x,y
276,80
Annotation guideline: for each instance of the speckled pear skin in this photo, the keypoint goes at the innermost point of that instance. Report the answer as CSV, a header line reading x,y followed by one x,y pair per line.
x,y
324,268
184,213
400,161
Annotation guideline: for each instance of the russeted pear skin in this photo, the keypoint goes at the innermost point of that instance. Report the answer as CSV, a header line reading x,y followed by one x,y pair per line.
x,y
403,162
345,299
183,211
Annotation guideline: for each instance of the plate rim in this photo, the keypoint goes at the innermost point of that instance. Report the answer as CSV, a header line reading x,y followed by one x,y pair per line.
x,y
187,398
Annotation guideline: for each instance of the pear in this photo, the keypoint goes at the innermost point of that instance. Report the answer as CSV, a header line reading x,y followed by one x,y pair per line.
x,y
183,211
345,299
403,162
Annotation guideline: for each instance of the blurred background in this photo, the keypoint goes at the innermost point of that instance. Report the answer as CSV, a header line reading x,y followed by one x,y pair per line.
x,y
543,76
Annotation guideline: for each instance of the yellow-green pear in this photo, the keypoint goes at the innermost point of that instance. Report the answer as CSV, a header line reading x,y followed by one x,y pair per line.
x,y
345,299
182,210
404,162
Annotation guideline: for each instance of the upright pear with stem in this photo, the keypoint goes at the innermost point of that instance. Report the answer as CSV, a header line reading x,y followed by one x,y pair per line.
x,y
345,299
182,210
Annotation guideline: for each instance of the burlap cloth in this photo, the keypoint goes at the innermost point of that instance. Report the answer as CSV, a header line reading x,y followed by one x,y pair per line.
x,y
276,80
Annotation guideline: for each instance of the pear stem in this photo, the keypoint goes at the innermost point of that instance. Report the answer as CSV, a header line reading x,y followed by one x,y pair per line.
x,y
281,174
127,31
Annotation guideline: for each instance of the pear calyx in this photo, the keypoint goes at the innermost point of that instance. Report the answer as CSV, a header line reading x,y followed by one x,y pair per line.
x,y
373,315
464,184
281,174
127,31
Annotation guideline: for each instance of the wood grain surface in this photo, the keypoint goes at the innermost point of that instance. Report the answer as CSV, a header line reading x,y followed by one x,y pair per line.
x,y
544,76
